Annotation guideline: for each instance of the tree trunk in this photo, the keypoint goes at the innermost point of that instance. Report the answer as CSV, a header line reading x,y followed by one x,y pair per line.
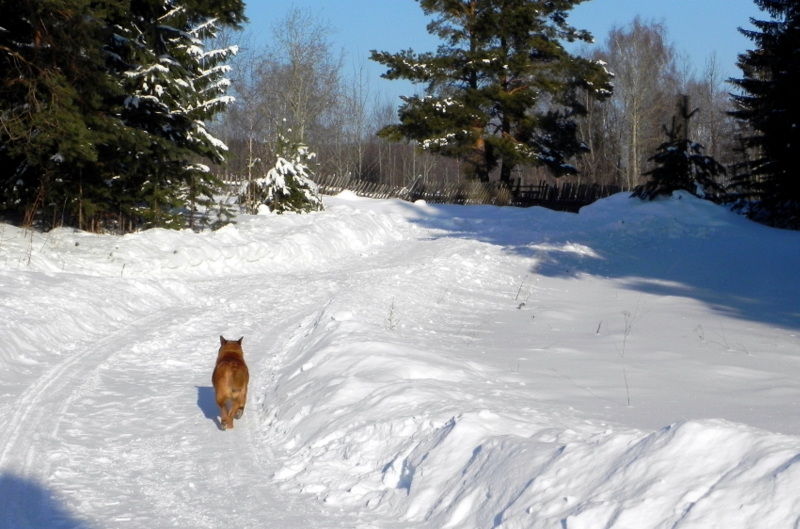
x,y
506,171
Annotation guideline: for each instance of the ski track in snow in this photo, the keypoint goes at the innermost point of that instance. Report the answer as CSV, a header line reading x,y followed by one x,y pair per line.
x,y
410,368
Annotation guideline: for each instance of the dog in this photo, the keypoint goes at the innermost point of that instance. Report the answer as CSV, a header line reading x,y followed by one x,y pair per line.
x,y
230,380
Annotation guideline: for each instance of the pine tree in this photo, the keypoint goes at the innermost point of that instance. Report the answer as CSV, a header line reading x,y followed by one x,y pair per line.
x,y
288,186
501,89
768,102
681,164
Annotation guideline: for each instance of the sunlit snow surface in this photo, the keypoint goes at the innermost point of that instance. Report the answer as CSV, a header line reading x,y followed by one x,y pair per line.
x,y
636,365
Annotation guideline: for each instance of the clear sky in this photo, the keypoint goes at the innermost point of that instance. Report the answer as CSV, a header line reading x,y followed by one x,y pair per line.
x,y
697,28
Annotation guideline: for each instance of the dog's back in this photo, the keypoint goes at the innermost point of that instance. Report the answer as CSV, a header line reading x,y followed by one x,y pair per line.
x,y
231,373
230,379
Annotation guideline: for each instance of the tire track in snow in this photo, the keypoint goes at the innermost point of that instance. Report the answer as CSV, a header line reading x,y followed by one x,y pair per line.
x,y
41,401
30,439
136,432
86,426
102,469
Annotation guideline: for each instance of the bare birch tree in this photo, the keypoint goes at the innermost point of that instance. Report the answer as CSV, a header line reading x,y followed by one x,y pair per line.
x,y
292,84
645,84
307,71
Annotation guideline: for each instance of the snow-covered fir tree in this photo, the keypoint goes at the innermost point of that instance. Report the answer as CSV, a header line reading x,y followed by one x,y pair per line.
x,y
681,164
769,185
53,88
501,90
288,185
104,108
174,86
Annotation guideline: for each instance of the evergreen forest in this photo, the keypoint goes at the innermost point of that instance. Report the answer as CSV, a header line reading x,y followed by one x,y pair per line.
x,y
122,115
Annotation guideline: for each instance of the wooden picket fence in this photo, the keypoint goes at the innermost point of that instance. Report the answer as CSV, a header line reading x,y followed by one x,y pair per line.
x,y
333,185
566,196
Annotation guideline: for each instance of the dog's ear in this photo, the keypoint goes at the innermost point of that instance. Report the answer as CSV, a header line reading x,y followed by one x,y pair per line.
x,y
240,340
222,340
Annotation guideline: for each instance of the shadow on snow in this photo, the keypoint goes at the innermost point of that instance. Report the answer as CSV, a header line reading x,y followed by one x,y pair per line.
x,y
26,504
207,402
736,267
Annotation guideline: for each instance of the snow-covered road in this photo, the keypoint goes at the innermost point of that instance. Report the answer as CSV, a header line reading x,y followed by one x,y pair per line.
x,y
411,366
113,414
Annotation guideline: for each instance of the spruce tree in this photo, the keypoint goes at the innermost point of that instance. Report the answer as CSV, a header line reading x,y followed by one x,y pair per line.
x,y
53,88
501,90
103,108
288,186
767,101
681,164
173,87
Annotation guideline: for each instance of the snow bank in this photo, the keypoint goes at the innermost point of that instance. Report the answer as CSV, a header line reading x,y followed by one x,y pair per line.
x,y
412,435
361,421
251,246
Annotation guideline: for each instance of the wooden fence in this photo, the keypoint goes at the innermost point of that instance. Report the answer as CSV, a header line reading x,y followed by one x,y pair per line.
x,y
565,196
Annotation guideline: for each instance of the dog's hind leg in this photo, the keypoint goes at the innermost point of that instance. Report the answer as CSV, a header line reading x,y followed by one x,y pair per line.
x,y
241,400
224,416
237,406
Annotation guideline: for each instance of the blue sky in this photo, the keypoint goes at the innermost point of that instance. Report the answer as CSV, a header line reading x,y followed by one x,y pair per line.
x,y
697,28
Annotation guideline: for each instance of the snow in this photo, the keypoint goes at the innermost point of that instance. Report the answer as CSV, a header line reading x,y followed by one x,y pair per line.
x,y
412,365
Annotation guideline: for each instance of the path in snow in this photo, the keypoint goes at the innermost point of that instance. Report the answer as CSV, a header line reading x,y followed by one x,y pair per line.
x,y
123,423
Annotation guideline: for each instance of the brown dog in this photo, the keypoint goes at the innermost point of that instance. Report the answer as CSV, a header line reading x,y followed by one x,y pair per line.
x,y
230,380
